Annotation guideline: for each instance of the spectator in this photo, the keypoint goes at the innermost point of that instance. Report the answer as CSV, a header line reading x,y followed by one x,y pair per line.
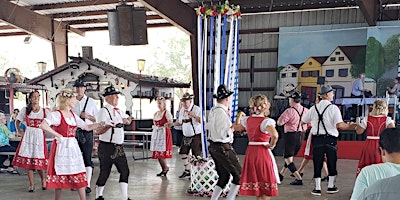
x,y
389,148
5,144
385,189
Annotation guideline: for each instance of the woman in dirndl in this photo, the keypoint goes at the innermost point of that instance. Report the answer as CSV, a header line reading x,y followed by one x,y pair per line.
x,y
260,172
66,169
375,123
32,151
161,138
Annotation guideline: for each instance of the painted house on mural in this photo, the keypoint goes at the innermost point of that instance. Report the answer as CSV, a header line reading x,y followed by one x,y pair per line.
x,y
97,75
288,76
308,77
337,69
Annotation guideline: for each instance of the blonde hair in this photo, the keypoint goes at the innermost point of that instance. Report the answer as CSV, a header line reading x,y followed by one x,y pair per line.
x,y
379,108
259,104
63,97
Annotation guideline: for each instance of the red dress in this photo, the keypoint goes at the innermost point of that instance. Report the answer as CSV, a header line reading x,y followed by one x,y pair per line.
x,y
168,139
32,149
63,181
258,175
370,154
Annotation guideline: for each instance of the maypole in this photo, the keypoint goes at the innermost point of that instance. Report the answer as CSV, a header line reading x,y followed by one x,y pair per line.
x,y
220,69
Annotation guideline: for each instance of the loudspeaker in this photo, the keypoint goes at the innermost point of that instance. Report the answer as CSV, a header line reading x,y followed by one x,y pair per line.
x,y
321,80
127,26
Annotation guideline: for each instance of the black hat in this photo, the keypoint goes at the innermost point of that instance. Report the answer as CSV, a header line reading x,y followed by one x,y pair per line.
x,y
295,95
187,96
325,89
110,90
222,92
79,83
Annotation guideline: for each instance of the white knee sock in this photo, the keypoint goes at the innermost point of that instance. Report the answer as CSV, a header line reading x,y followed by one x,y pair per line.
x,y
99,191
331,181
89,171
124,190
216,192
317,183
233,190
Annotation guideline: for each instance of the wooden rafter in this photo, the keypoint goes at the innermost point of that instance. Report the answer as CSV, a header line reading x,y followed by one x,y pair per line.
x,y
370,10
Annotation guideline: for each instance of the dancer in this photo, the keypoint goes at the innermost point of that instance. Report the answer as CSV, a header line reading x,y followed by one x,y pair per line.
x,y
325,120
161,139
294,130
375,123
221,150
260,173
111,150
86,109
66,169
189,119
32,153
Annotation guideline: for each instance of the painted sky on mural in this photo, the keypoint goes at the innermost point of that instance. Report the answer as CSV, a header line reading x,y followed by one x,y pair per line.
x,y
296,44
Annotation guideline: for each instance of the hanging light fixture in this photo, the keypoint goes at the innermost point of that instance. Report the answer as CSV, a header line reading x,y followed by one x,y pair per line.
x,y
41,67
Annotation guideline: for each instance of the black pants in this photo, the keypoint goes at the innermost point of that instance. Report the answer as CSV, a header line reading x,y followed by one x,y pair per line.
x,y
110,154
356,110
292,143
177,136
87,148
226,163
324,146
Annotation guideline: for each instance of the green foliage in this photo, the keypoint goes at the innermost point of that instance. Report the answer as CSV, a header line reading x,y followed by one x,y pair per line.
x,y
175,61
358,65
391,51
381,86
374,59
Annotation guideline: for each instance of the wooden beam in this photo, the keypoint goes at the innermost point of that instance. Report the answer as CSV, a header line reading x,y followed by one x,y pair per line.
x,y
370,10
261,50
257,89
62,5
271,69
195,73
30,21
175,12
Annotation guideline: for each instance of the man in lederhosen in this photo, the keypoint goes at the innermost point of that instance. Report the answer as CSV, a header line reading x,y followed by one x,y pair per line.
x,y
291,119
190,119
221,150
325,119
87,110
111,138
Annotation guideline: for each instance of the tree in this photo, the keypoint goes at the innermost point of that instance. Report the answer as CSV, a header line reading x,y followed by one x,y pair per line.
x,y
358,64
391,51
175,61
374,65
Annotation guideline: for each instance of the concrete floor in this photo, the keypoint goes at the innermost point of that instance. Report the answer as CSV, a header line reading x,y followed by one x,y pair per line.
x,y
144,185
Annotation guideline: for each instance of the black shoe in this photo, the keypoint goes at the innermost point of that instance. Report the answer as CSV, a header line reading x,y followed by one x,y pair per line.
x,y
280,177
163,173
31,189
301,174
332,190
316,192
185,173
100,198
296,182
88,190
326,178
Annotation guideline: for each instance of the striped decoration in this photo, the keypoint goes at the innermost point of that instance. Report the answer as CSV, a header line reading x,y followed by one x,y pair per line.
x,y
210,21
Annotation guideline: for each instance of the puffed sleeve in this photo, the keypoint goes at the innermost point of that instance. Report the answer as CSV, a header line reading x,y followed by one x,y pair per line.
x,y
79,122
267,122
168,115
21,115
54,118
363,122
389,120
243,121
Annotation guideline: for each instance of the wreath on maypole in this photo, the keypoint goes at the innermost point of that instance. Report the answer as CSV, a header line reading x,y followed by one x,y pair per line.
x,y
219,9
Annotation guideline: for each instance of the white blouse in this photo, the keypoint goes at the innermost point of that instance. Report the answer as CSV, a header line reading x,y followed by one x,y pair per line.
x,y
266,122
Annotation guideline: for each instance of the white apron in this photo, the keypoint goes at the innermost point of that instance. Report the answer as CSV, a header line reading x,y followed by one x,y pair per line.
x,y
158,139
68,159
32,143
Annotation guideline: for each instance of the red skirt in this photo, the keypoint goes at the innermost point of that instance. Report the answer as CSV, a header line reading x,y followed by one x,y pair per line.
x,y
168,147
72,181
369,155
258,177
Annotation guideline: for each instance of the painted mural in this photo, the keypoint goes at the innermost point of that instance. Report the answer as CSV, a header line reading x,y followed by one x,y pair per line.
x,y
337,54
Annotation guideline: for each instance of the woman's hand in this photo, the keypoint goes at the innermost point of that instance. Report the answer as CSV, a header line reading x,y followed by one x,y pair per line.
x,y
270,146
